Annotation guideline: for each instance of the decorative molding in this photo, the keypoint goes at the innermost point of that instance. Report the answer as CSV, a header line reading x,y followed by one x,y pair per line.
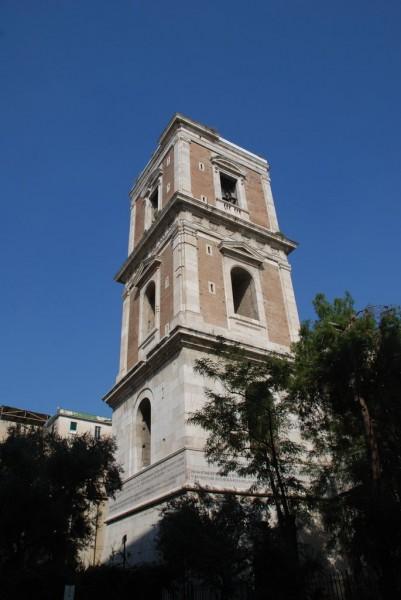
x,y
224,164
152,181
167,348
241,251
168,217
180,121
145,270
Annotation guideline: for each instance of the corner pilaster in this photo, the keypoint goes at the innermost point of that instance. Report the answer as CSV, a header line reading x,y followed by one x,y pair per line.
x,y
271,210
290,304
182,165
131,240
124,336
185,265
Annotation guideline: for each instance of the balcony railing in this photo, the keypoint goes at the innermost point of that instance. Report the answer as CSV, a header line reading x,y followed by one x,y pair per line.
x,y
231,208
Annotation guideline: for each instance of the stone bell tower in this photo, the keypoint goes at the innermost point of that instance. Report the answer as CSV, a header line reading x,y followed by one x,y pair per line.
x,y
206,259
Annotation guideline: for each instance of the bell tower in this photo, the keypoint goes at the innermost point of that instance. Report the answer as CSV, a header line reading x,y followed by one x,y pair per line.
x,y
206,259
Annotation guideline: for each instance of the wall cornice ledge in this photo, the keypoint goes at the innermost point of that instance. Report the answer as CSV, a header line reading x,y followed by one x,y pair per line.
x,y
180,337
181,201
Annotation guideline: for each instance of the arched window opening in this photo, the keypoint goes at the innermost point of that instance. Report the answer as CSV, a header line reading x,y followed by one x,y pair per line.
x,y
144,433
244,294
149,308
154,204
260,414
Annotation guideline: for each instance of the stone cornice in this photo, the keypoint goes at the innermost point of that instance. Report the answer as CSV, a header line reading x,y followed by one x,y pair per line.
x,y
179,120
165,351
183,202
178,491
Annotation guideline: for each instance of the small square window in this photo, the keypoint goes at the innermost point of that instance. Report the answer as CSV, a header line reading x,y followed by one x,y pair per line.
x,y
212,287
97,432
201,166
204,198
209,250
73,426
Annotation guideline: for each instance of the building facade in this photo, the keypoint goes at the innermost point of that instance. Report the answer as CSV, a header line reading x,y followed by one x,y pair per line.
x,y
65,423
206,259
69,422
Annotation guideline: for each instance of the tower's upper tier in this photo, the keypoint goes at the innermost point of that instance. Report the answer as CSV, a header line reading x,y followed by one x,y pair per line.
x,y
193,160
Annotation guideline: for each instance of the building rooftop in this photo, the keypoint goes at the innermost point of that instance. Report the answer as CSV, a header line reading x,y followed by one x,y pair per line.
x,y
83,416
22,415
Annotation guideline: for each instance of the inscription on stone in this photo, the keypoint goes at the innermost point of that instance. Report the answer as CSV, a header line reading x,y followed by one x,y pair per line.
x,y
150,484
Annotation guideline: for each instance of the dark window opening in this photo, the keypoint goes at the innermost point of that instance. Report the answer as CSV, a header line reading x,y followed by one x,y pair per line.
x,y
259,404
228,188
144,433
149,308
73,425
97,432
154,204
244,294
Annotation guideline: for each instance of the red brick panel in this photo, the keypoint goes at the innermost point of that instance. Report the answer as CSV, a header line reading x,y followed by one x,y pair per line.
x,y
276,317
256,199
213,306
133,329
166,293
202,181
139,220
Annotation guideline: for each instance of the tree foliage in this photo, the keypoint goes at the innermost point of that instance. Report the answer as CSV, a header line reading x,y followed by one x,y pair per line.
x,y
251,429
212,538
48,486
346,388
342,382
225,540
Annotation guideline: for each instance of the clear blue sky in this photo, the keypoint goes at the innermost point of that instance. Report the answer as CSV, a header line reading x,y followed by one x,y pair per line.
x,y
85,90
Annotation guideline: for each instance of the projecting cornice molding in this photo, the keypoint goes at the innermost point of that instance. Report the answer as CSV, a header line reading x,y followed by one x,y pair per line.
x,y
166,350
161,230
241,251
145,270
223,164
179,121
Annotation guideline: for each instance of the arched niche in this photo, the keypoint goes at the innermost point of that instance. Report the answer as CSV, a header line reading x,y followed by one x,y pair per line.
x,y
149,308
244,293
144,433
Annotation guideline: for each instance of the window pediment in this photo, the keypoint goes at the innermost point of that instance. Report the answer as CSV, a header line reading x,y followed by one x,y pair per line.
x,y
151,182
145,270
223,164
241,251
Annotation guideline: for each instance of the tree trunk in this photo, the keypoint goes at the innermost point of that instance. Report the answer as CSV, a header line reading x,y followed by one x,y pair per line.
x,y
372,443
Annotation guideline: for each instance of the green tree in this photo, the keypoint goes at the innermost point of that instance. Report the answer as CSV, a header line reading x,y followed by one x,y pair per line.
x,y
212,538
49,487
252,431
346,387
